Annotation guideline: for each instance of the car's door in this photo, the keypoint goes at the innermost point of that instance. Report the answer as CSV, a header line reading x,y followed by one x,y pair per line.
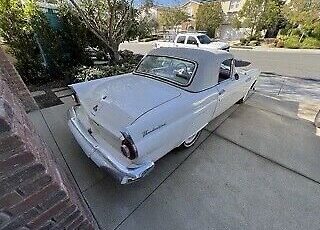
x,y
229,87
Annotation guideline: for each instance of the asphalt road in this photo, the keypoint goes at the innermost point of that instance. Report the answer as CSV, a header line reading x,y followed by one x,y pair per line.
x,y
295,64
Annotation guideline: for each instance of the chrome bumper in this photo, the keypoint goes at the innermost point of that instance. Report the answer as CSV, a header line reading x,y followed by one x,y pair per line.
x,y
90,146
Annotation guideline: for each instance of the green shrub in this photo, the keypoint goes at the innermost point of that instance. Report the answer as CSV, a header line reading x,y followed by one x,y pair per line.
x,y
310,43
316,31
295,32
43,52
292,42
279,43
90,73
244,41
16,30
128,64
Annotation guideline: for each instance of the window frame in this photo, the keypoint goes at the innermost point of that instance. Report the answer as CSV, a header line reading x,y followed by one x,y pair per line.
x,y
231,75
184,36
166,80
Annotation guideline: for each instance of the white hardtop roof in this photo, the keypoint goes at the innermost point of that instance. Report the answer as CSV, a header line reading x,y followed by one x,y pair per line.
x,y
208,64
193,34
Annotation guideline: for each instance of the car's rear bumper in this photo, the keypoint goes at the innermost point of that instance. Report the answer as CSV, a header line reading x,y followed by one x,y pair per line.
x,y
102,157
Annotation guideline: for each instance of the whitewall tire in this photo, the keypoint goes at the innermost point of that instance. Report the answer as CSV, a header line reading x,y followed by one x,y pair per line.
x,y
191,140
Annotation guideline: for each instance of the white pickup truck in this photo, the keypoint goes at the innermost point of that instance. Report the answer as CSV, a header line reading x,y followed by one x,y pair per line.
x,y
191,40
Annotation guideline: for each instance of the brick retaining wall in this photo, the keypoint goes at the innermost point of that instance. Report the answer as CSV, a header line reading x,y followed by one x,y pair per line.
x,y
34,192
15,83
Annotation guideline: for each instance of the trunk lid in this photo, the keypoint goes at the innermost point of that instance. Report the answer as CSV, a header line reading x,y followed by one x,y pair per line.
x,y
116,102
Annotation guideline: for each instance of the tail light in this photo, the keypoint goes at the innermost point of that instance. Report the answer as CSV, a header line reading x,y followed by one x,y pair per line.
x,y
128,148
75,98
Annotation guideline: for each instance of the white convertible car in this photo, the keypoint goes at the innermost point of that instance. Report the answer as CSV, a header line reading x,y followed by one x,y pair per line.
x,y
126,123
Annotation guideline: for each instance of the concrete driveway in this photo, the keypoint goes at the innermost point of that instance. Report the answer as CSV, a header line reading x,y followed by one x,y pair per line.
x,y
254,167
257,166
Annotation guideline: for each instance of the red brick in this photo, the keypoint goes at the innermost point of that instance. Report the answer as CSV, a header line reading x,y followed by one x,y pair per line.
x,y
33,200
36,185
45,216
20,178
84,225
68,220
8,143
15,162
75,224
9,200
48,225
21,220
66,212
52,200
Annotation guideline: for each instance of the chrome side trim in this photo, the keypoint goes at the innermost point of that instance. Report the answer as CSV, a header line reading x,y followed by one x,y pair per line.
x,y
92,149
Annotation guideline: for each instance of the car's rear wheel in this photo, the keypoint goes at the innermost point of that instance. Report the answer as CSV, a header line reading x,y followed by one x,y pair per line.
x,y
191,140
245,97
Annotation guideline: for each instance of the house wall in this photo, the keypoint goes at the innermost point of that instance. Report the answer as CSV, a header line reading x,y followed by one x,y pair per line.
x,y
225,32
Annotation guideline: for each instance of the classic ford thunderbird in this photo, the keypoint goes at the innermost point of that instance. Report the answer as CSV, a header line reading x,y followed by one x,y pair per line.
x,y
126,123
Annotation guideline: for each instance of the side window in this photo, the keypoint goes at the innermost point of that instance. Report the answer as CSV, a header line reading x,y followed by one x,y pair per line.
x,y
192,40
225,70
181,39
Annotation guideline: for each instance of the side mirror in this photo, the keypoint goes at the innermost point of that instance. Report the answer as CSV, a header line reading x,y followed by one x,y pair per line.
x,y
236,76
197,44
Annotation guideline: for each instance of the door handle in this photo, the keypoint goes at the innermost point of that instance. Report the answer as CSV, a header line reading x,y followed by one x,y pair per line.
x,y
221,92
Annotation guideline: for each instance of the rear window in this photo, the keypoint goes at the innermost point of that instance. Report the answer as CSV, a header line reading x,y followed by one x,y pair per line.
x,y
204,39
167,68
192,40
181,39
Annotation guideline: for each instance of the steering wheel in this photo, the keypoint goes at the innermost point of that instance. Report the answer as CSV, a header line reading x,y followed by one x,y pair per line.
x,y
181,68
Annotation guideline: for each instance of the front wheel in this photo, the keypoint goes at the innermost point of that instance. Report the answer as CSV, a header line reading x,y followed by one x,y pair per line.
x,y
191,140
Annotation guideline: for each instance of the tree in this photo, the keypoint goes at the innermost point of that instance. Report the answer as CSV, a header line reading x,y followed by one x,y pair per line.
x,y
172,17
305,14
251,15
273,18
209,17
16,20
261,14
143,26
148,3
109,21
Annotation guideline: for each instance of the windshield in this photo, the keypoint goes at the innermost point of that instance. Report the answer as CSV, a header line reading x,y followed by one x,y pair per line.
x,y
204,39
167,68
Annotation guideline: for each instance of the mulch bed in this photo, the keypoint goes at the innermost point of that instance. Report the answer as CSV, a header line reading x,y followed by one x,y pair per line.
x,y
48,99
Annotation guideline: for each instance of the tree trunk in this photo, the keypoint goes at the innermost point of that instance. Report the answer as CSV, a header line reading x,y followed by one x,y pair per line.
x,y
114,54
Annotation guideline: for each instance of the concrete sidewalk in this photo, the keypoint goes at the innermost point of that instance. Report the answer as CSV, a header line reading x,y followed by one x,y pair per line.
x,y
254,167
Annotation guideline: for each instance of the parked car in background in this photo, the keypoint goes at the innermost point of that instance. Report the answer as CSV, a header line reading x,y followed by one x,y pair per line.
x,y
126,123
191,40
